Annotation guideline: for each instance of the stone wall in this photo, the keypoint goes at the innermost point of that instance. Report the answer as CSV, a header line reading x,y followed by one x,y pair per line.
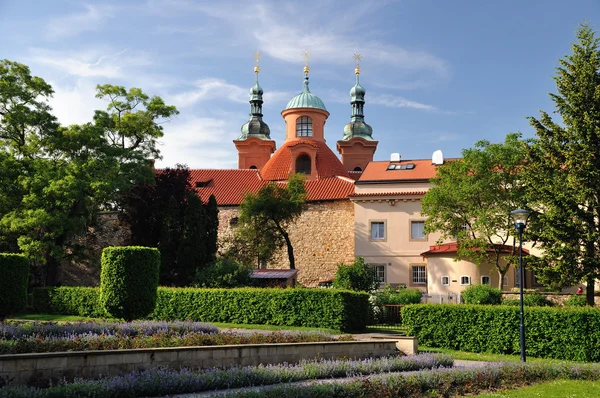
x,y
322,237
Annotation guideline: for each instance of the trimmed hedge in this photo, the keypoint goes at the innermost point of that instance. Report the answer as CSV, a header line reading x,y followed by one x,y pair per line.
x,y
14,271
318,308
560,333
128,281
481,294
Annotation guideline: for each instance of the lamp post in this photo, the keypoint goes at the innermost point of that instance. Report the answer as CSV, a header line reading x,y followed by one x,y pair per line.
x,y
520,217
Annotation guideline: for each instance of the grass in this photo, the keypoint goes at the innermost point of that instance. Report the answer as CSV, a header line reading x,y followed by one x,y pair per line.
x,y
57,318
553,389
487,357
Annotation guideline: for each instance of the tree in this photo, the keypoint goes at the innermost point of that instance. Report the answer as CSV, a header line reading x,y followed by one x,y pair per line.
x,y
356,276
471,200
271,210
564,171
193,249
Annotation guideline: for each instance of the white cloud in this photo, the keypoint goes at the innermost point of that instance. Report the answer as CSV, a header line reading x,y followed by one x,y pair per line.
x,y
75,104
71,25
393,101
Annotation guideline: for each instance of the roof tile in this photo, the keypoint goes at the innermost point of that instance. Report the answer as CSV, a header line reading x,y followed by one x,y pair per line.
x,y
378,171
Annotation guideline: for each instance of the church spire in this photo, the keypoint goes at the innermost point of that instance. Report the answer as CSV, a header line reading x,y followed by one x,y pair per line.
x,y
357,126
255,127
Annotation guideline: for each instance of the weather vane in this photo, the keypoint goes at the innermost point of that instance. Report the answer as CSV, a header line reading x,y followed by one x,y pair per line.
x,y
256,59
357,58
306,55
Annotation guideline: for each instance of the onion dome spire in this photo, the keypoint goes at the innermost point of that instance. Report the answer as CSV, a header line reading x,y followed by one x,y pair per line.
x,y
306,99
255,127
357,126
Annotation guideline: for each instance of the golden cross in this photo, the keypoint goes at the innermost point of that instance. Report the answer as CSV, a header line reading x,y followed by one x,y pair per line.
x,y
256,58
357,58
306,54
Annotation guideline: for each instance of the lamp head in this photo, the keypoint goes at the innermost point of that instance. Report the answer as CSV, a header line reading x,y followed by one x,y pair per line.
x,y
520,217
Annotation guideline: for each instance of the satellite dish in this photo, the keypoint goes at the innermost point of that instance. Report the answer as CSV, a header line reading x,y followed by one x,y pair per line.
x,y
437,157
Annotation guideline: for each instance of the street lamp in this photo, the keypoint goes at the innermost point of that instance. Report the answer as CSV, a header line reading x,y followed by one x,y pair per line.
x,y
520,217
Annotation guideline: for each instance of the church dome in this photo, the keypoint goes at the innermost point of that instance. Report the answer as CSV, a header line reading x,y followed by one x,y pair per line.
x,y
256,92
357,91
306,99
255,127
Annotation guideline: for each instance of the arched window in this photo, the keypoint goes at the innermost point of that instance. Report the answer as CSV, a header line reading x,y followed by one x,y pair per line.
x,y
253,167
357,169
304,126
303,164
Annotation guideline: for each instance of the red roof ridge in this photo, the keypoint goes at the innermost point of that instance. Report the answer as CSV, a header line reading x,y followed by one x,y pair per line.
x,y
388,193
452,247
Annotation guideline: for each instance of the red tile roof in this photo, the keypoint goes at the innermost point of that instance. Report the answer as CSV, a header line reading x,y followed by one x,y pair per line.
x,y
451,247
378,171
371,194
279,166
230,186
355,175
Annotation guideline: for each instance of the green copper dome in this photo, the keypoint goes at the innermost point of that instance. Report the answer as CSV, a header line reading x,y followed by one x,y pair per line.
x,y
306,99
255,127
357,126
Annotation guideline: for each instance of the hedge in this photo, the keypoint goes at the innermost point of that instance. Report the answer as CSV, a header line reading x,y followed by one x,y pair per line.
x,y
128,281
560,333
317,308
14,271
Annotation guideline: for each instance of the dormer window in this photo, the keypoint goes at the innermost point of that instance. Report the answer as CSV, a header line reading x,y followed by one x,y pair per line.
x,y
303,164
304,127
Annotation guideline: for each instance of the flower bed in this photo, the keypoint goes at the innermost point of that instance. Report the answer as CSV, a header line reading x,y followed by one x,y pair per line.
x,y
83,336
160,382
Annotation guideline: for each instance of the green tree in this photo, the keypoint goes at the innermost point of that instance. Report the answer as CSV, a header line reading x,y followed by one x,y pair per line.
x,y
193,249
356,276
564,171
271,210
169,242
471,200
212,230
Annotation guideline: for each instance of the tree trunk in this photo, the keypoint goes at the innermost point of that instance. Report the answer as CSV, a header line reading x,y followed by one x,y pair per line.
x,y
589,290
501,273
290,249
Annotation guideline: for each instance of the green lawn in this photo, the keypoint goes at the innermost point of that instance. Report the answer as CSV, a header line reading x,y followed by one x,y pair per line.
x,y
56,318
474,356
553,389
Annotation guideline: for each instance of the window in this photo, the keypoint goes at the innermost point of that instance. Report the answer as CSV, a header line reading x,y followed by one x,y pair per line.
x,y
419,275
380,272
253,167
517,278
505,280
465,280
304,127
234,222
377,230
485,280
303,164
357,169
417,230
445,281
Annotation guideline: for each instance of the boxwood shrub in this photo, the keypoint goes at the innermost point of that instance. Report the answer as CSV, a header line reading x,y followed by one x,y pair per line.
x,y
128,281
14,271
560,333
318,308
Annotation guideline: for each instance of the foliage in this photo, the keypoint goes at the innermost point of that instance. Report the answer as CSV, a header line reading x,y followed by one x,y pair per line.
x,y
14,269
357,276
128,281
267,215
400,295
564,171
318,308
69,300
67,174
481,294
162,381
192,253
224,273
576,300
471,199
495,329
530,299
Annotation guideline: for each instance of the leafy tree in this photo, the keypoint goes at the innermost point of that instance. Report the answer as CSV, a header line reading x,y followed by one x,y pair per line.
x,y
169,241
356,276
224,273
270,211
471,200
564,171
193,249
212,230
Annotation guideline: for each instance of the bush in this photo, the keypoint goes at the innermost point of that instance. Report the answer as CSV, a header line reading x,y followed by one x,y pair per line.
x,y
68,300
128,281
481,294
392,295
317,308
533,299
560,333
357,276
576,300
14,269
224,273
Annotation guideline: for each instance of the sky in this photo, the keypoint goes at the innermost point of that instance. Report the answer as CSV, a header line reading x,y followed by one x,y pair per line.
x,y
439,74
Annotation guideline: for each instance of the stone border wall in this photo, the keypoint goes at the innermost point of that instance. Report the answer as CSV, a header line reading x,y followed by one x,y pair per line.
x,y
40,368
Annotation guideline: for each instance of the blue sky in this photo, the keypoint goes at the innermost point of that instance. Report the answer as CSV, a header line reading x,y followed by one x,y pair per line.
x,y
439,74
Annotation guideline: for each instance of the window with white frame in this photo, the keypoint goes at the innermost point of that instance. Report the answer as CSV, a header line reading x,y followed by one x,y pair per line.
x,y
377,230
486,280
517,278
445,281
419,274
505,280
465,280
304,127
417,230
379,272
